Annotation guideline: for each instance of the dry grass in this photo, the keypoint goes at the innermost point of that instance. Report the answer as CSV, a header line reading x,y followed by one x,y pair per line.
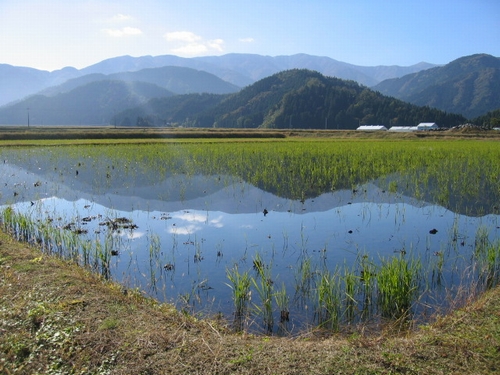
x,y
57,318
15,135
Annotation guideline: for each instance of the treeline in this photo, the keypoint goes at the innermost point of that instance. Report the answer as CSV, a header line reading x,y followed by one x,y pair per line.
x,y
489,120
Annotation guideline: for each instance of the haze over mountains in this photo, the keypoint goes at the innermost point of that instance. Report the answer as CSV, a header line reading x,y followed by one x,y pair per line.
x,y
233,91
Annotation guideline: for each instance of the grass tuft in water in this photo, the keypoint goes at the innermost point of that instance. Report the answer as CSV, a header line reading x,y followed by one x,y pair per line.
x,y
264,286
240,285
329,300
398,281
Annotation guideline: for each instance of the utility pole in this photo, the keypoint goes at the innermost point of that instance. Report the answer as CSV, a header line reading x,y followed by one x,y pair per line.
x,y
28,109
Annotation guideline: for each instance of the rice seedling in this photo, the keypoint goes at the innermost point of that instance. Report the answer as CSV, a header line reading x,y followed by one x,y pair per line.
x,y
329,299
397,284
351,285
437,268
264,288
493,265
481,242
154,261
240,286
367,279
304,277
283,301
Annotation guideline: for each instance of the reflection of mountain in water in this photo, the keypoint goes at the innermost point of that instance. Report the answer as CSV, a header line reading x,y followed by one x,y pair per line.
x,y
127,192
129,187
480,200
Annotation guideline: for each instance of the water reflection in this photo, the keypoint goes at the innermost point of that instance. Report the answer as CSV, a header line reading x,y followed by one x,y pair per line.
x,y
190,230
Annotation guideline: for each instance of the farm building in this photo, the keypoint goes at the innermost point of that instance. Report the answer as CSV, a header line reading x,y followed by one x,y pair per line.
x,y
427,126
403,129
372,127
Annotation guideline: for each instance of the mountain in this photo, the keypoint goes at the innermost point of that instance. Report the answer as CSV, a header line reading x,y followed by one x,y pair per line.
x,y
92,104
238,69
19,82
130,64
175,79
175,110
469,85
296,98
245,69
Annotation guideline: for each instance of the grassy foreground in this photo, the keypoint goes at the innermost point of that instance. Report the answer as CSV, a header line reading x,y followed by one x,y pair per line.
x,y
57,318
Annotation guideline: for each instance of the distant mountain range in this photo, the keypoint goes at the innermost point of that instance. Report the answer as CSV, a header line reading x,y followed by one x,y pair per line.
x,y
238,69
241,90
178,80
469,85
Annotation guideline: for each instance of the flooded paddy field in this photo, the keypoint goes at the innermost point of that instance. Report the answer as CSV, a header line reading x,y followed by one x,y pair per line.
x,y
275,236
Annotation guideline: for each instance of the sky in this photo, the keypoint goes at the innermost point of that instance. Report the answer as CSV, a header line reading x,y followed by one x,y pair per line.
x,y
52,34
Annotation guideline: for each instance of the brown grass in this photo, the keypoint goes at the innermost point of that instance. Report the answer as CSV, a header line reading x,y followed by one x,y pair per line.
x,y
58,318
82,134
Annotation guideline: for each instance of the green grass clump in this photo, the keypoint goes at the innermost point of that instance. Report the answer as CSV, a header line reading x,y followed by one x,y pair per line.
x,y
264,286
329,300
397,283
240,286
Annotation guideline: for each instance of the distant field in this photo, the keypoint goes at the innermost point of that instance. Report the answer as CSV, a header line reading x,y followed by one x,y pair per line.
x,y
23,133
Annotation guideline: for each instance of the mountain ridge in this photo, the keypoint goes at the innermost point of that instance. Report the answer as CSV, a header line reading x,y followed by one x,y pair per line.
x,y
179,80
20,82
467,85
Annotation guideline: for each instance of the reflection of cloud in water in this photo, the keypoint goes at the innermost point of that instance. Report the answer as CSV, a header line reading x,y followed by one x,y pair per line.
x,y
217,223
195,217
191,217
135,235
188,229
130,235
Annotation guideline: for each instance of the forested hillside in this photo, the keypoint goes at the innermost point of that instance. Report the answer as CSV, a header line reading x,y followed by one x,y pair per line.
x,y
469,86
292,99
491,119
169,111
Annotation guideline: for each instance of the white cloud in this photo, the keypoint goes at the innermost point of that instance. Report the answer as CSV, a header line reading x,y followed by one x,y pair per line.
x,y
124,31
182,36
188,43
120,18
217,44
247,40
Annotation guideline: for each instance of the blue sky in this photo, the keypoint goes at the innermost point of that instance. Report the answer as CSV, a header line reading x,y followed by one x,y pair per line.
x,y
52,34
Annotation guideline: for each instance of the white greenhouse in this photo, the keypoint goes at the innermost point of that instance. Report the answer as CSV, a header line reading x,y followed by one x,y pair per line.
x,y
427,126
372,127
